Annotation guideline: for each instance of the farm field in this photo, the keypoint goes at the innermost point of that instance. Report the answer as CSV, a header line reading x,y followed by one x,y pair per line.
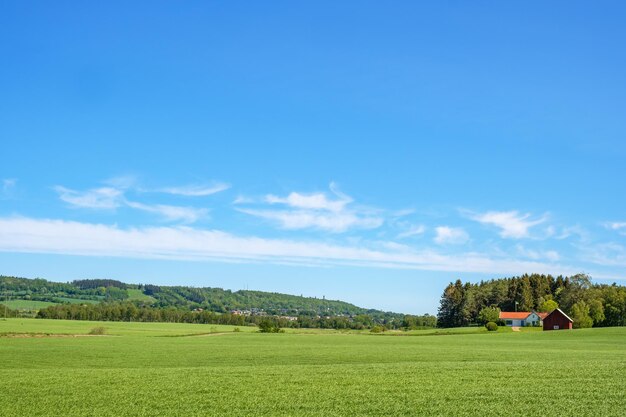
x,y
138,295
33,305
140,369
27,304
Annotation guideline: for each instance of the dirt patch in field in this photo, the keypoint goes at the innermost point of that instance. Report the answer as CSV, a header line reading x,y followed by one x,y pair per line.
x,y
41,335
198,334
515,328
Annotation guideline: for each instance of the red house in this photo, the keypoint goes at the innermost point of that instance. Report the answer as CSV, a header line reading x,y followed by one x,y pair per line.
x,y
557,320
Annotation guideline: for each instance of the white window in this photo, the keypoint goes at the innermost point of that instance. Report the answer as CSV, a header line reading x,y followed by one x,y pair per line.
x,y
556,327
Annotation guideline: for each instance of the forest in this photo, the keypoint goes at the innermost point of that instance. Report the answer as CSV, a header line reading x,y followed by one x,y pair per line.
x,y
112,300
587,303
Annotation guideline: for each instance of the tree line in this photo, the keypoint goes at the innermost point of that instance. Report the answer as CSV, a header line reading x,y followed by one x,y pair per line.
x,y
184,297
129,311
588,304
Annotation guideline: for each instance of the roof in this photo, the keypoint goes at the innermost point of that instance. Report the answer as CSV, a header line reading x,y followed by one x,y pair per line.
x,y
515,315
542,315
561,311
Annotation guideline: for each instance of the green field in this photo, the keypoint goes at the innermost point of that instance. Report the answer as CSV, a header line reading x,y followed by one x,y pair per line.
x,y
78,300
138,295
26,304
31,305
140,369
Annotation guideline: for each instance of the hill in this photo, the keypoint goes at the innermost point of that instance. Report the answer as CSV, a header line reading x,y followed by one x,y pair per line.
x,y
215,300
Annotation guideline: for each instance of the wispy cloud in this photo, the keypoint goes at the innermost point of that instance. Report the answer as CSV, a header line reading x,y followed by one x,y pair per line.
x,y
8,185
195,190
110,198
314,201
512,224
450,236
316,211
620,227
122,182
171,213
186,243
301,219
97,198
241,199
550,255
413,230
605,254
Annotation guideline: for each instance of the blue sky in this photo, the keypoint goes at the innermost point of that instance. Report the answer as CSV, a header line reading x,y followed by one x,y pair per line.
x,y
357,151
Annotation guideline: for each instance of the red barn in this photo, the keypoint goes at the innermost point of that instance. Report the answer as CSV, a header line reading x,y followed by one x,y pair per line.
x,y
557,320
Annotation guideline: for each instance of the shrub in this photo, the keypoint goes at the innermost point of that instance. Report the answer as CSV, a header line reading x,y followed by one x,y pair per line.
x,y
491,326
267,326
377,329
236,330
98,331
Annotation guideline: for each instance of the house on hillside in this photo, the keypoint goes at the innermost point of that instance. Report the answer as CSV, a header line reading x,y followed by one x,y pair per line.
x,y
521,318
557,320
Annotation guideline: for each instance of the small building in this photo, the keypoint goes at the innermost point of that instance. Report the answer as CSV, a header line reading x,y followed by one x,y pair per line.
x,y
557,320
520,318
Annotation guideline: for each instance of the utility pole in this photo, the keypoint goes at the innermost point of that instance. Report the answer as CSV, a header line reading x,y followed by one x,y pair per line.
x,y
516,303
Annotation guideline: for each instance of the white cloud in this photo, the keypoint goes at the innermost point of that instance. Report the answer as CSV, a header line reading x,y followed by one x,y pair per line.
x,y
618,226
8,185
113,198
302,219
314,201
316,211
186,243
195,190
450,235
243,200
98,198
606,254
171,213
317,201
512,224
413,230
550,255
123,182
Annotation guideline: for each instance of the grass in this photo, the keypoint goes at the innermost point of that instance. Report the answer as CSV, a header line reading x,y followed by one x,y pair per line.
x,y
134,294
133,370
26,304
32,305
78,300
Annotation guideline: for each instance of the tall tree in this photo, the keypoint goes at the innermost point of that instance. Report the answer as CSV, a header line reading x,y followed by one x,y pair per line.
x,y
453,306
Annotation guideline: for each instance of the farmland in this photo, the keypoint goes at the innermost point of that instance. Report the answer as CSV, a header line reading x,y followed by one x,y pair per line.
x,y
141,369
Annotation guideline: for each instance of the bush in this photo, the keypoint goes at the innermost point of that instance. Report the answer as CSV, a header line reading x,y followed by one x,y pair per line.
x,y
491,326
267,326
98,331
377,329
236,329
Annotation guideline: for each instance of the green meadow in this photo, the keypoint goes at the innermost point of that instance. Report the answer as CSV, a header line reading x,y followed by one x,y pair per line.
x,y
153,369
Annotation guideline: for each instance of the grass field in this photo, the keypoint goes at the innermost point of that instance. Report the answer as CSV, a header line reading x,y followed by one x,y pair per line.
x,y
78,300
31,305
140,296
139,369
26,304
